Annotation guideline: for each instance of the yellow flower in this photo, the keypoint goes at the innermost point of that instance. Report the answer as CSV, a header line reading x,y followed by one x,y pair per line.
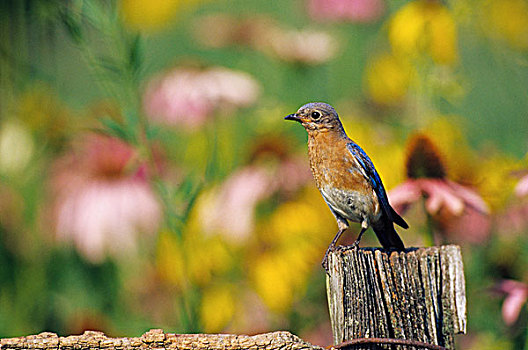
x,y
295,238
16,147
443,36
406,28
272,280
217,308
191,260
207,256
507,19
171,264
304,219
424,26
387,79
280,276
149,15
495,181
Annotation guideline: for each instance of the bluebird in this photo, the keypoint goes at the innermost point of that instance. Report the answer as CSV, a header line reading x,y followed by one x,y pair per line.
x,y
347,178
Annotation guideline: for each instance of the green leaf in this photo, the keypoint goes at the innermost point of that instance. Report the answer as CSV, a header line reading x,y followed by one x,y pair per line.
x,y
72,26
188,191
132,123
192,201
135,56
113,128
153,132
110,65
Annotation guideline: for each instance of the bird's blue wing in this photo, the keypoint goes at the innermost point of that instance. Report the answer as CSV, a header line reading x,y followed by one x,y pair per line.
x,y
375,181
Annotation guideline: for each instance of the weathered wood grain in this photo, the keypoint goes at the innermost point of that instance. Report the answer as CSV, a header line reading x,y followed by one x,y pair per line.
x,y
157,339
416,295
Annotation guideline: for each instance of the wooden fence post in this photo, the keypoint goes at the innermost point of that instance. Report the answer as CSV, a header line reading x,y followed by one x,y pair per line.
x,y
417,295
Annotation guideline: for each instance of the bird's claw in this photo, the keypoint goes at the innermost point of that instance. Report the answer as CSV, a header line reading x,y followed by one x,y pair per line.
x,y
324,263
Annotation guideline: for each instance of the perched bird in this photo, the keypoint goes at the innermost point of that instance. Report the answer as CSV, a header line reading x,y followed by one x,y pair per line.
x,y
346,178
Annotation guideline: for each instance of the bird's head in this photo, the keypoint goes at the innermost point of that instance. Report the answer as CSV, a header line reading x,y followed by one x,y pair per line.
x,y
317,117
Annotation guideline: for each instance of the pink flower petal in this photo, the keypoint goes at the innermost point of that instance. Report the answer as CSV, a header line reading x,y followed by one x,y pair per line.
x,y
350,10
101,206
521,189
472,226
470,197
440,195
402,195
231,210
517,294
187,97
292,174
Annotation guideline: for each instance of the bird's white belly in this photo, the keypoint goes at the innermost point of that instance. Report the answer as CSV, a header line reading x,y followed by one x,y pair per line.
x,y
351,205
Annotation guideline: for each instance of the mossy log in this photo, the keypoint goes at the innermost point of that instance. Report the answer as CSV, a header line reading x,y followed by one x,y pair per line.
x,y
157,339
417,295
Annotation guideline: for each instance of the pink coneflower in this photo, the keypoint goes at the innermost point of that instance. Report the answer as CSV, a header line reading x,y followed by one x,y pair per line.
x,y
223,30
305,46
521,189
103,201
297,46
187,97
361,11
445,201
438,194
516,296
230,209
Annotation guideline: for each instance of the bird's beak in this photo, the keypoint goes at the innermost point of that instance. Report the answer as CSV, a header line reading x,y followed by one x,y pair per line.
x,y
293,117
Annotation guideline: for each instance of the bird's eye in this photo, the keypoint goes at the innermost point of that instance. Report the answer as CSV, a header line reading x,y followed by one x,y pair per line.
x,y
316,115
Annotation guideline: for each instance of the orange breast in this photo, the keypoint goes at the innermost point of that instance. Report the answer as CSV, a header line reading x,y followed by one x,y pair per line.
x,y
333,165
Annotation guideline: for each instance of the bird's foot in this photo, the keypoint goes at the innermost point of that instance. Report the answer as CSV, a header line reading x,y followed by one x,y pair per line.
x,y
324,263
364,227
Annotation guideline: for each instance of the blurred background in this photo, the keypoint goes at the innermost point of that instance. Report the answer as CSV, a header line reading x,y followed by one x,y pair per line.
x,y
148,179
